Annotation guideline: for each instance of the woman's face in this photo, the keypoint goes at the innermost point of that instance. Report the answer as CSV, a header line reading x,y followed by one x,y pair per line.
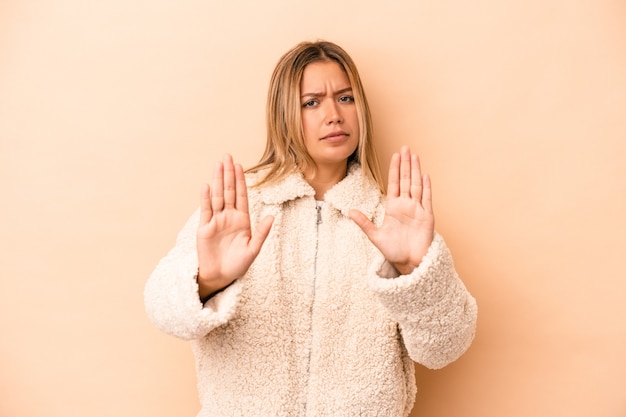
x,y
329,116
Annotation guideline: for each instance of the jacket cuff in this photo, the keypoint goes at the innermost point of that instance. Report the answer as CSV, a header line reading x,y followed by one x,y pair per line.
x,y
223,305
424,286
435,312
174,304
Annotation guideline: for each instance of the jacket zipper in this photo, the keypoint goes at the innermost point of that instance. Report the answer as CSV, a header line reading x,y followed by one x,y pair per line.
x,y
318,210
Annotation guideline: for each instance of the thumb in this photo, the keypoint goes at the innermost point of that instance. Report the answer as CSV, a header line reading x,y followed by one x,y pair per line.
x,y
363,222
262,230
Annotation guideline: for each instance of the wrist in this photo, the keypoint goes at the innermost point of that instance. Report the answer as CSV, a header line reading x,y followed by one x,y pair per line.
x,y
207,291
404,268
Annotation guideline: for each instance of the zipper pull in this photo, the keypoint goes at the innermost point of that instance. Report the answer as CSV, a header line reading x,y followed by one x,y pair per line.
x,y
319,214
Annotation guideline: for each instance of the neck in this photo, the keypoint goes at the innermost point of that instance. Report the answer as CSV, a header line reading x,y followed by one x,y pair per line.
x,y
324,178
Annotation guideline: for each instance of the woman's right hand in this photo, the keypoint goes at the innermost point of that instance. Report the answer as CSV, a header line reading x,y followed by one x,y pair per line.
x,y
225,243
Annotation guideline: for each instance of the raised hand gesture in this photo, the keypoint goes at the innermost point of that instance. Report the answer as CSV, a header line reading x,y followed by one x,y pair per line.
x,y
225,243
408,226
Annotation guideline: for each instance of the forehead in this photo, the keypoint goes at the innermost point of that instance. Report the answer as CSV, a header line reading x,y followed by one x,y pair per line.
x,y
317,75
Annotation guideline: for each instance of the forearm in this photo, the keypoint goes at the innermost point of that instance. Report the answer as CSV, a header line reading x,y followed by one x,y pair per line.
x,y
435,311
171,295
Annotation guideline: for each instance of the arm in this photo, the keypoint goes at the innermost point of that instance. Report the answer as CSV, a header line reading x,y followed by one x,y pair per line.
x,y
416,279
194,288
171,294
436,313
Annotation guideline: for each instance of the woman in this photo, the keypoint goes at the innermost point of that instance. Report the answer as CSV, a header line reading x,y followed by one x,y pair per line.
x,y
305,290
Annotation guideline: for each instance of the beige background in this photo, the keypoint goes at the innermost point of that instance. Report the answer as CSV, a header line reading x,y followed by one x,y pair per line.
x,y
113,113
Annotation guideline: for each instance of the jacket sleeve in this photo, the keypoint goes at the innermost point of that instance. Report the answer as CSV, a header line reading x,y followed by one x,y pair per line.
x,y
435,312
171,293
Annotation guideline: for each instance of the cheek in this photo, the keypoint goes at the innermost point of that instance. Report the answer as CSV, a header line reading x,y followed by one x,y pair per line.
x,y
309,127
354,121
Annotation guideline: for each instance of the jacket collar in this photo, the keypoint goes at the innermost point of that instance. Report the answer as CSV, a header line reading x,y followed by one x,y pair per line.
x,y
353,192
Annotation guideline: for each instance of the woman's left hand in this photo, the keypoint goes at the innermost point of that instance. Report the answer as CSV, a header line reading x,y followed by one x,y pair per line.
x,y
409,224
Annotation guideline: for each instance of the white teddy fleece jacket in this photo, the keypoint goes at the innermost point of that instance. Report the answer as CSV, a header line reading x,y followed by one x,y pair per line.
x,y
320,325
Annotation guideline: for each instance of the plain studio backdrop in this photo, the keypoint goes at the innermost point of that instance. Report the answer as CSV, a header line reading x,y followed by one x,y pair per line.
x,y
112,115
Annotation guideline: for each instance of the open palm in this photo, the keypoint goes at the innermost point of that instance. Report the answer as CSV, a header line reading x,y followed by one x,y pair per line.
x,y
408,226
225,243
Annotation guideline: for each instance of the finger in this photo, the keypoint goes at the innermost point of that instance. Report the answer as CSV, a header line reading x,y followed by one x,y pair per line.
x,y
217,195
205,204
363,222
261,232
393,180
416,178
405,172
229,182
427,195
241,189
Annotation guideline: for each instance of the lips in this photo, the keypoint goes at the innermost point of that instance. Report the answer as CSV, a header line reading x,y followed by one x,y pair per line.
x,y
337,134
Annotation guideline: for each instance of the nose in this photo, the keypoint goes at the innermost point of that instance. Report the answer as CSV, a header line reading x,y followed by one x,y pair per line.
x,y
333,113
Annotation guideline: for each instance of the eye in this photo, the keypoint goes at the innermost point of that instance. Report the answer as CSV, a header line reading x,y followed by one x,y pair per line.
x,y
346,99
309,103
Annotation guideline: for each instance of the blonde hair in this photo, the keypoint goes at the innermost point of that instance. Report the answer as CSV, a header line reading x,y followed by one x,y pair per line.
x,y
285,151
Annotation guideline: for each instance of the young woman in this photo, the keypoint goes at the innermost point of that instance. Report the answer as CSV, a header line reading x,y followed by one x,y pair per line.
x,y
306,290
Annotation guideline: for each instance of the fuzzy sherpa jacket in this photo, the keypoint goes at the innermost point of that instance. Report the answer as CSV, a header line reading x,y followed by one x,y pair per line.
x,y
319,325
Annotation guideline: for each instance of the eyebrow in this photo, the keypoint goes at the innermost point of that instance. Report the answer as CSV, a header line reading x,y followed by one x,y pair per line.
x,y
317,94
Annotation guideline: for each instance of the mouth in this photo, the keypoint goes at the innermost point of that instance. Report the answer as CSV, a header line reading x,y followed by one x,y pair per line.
x,y
336,135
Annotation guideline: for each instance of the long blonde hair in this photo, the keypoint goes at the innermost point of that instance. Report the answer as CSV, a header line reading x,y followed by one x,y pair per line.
x,y
285,151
